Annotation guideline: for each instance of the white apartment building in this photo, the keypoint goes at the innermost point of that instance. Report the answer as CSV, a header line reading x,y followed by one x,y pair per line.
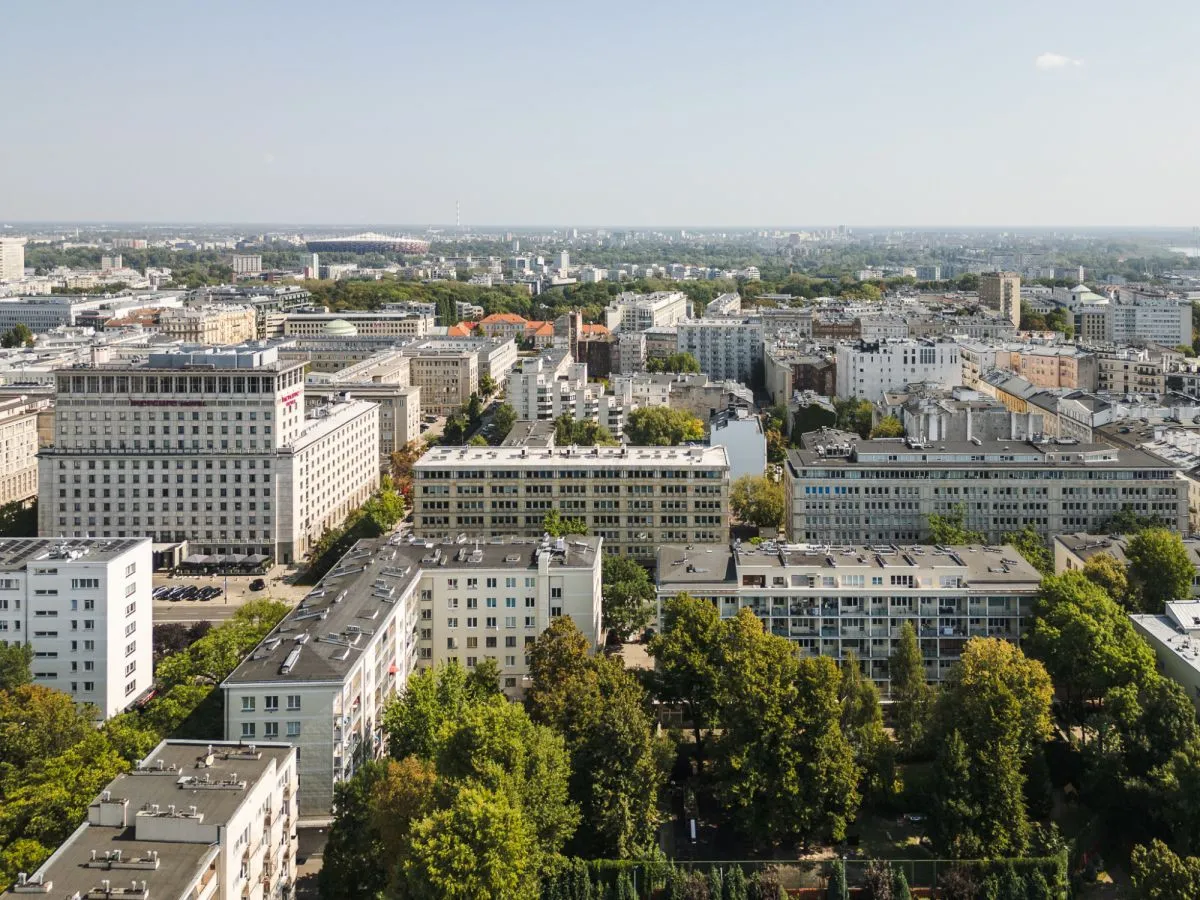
x,y
214,447
1143,316
329,668
192,820
633,497
12,258
211,325
867,370
727,347
84,606
399,407
637,312
723,305
405,324
447,379
551,384
18,448
885,490
831,600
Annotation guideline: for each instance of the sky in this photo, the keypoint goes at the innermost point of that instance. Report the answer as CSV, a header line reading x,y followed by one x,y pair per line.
x,y
758,113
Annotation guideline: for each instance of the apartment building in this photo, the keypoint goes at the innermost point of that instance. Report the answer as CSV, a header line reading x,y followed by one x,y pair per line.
x,y
1131,370
192,820
637,312
727,347
1002,291
1138,315
383,379
723,305
19,418
831,601
551,384
1072,552
12,258
867,370
271,303
211,325
787,370
633,497
211,446
84,606
397,324
496,356
885,490
1050,366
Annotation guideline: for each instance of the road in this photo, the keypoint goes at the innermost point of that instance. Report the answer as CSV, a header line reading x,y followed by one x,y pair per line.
x,y
224,606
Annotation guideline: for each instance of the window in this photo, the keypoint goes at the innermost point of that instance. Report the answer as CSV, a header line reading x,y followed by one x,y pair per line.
x,y
247,704
89,686
247,729
271,703
293,729
130,569
293,701
270,729
77,583
510,660
452,622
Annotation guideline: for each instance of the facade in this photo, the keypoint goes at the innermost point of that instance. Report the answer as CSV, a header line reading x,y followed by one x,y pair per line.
x,y
629,353
39,313
212,325
885,490
787,370
214,447
723,305
1052,366
495,356
271,304
192,820
1142,315
637,312
12,258
1002,291
869,370
1072,551
447,378
399,407
726,347
633,497
1131,370
550,385
964,415
84,606
829,601
388,607
366,324
1175,638
19,421
246,264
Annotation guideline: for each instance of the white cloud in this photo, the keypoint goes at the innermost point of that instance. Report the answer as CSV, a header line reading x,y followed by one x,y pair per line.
x,y
269,158
1056,61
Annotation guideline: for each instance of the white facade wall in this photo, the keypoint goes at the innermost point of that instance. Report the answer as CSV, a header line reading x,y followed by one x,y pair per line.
x,y
726,348
869,370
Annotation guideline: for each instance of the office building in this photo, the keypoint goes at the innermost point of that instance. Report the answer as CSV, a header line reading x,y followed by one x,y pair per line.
x,y
19,420
447,378
12,258
633,497
192,820
1002,291
212,325
354,324
1140,316
885,490
270,303
727,347
213,447
637,312
495,357
868,370
830,601
84,606
381,379
246,264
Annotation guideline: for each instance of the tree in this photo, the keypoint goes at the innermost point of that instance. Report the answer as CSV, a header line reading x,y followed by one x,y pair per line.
x,y
1033,547
888,427
757,500
777,446
1060,319
661,426
1159,568
687,655
355,860
627,596
681,362
909,690
854,415
1106,572
19,519
17,336
879,880
487,384
783,769
1160,874
555,525
478,848
503,419
900,889
582,432
15,660
431,699
37,722
949,529
836,888
862,724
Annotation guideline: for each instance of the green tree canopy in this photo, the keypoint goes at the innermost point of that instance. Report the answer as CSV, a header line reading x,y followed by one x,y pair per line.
x,y
888,427
503,419
628,596
555,525
15,660
909,690
661,426
949,529
1032,546
1159,568
687,657
757,500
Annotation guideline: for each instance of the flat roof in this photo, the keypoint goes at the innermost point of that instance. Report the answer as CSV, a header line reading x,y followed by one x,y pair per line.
x,y
16,553
1008,454
583,457
983,566
1085,546
179,863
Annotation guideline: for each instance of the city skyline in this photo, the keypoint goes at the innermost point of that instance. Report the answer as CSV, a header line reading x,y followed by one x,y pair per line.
x,y
934,116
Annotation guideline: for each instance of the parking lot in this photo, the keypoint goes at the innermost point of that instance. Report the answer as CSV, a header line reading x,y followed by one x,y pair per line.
x,y
213,597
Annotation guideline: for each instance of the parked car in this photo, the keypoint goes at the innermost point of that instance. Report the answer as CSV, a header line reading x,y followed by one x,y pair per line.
x,y
257,584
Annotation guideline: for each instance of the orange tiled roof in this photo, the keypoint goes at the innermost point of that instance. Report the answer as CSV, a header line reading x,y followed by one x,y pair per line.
x,y
595,329
462,329
540,329
499,318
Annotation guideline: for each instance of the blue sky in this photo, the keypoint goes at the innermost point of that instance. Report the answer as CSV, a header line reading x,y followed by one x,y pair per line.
x,y
863,112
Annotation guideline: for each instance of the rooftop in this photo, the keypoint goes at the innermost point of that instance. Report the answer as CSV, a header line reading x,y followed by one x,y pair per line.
x,y
1085,546
1060,452
16,553
981,566
186,789
536,457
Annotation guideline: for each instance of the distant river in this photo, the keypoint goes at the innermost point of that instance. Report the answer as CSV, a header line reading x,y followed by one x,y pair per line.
x,y
1186,251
